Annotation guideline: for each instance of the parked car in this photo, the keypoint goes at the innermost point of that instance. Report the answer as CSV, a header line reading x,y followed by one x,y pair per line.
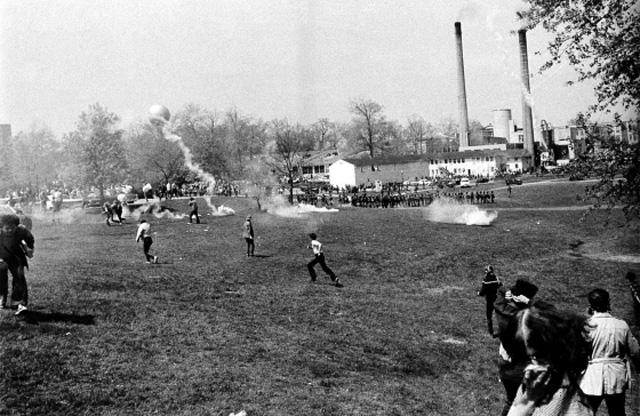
x,y
465,183
513,180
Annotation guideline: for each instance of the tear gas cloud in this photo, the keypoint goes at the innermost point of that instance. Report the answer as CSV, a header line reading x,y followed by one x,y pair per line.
x,y
278,205
450,212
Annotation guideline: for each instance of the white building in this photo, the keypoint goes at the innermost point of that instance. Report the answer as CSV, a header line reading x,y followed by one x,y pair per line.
x,y
485,162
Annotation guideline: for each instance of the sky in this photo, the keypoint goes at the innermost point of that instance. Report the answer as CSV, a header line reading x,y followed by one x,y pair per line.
x,y
295,59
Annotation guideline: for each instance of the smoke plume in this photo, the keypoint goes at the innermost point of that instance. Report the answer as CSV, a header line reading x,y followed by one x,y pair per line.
x,y
450,212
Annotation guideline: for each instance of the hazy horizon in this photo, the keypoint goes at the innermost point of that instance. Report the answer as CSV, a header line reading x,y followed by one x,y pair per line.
x,y
301,60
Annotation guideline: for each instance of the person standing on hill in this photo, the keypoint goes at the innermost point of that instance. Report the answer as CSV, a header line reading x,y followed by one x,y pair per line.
x,y
194,211
489,290
318,254
608,374
247,234
144,234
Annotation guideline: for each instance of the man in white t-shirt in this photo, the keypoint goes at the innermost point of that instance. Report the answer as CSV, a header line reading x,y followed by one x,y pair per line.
x,y
318,258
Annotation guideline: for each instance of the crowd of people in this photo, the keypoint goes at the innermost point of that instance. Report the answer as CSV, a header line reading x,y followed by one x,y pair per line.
x,y
559,362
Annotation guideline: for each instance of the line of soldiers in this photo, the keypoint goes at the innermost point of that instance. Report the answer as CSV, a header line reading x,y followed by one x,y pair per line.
x,y
478,197
394,200
322,200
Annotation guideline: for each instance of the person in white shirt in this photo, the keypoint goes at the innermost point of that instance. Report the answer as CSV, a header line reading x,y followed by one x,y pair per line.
x,y
145,235
318,258
608,374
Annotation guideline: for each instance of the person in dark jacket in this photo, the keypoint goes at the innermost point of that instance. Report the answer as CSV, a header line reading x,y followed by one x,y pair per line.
x,y
194,211
16,245
489,290
513,352
247,234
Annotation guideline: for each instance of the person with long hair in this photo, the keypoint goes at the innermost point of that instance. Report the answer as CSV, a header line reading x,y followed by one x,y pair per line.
x,y
558,349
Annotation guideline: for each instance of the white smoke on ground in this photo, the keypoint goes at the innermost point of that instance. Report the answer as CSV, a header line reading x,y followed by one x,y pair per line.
x,y
156,209
220,210
278,205
64,216
451,212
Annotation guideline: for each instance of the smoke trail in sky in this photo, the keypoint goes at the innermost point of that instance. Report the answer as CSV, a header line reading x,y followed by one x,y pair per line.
x,y
450,212
188,160
195,168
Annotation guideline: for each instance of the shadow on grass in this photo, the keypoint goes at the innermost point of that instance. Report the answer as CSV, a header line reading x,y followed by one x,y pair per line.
x,y
261,256
34,317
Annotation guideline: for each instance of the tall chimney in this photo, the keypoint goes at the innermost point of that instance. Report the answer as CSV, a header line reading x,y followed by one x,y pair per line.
x,y
463,116
527,118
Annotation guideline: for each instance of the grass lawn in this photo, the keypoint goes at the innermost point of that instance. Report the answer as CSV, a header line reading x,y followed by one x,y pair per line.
x,y
209,331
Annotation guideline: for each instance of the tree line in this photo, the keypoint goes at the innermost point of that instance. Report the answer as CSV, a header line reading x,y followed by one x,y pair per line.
x,y
230,145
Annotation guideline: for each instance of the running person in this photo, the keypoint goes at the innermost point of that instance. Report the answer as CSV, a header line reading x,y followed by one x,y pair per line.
x,y
145,235
316,246
108,211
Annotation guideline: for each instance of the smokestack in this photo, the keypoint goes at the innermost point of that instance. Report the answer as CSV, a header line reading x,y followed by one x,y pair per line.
x,y
527,118
463,116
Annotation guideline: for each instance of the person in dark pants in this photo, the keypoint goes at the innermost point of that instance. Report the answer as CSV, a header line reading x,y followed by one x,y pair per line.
x,y
194,211
16,245
634,288
608,374
145,235
116,208
108,212
316,246
247,234
489,289
513,352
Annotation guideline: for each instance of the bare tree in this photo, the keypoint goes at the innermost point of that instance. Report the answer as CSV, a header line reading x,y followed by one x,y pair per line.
x,y
417,133
288,144
202,132
325,134
246,138
369,124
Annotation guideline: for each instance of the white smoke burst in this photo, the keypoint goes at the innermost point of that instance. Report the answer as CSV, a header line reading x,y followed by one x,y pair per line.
x,y
450,212
157,210
278,205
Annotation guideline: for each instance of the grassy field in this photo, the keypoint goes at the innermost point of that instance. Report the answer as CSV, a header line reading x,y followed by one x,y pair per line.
x,y
209,331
